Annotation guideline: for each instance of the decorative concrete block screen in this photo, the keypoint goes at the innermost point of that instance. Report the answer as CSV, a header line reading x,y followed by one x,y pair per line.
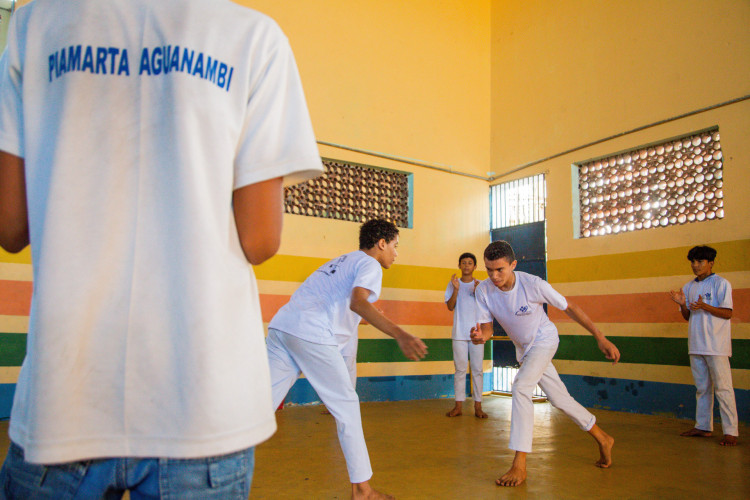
x,y
352,192
677,181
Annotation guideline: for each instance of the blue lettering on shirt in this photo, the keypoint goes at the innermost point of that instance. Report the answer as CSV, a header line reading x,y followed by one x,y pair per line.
x,y
154,61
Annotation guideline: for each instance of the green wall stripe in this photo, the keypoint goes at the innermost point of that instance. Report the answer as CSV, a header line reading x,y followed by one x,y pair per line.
x,y
13,348
387,350
644,350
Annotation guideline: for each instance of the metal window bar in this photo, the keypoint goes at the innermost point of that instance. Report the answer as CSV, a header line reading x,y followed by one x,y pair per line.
x,y
502,381
517,202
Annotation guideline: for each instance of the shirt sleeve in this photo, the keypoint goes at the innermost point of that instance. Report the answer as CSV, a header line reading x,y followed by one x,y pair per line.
x,y
11,105
277,137
448,292
370,277
483,310
724,295
551,296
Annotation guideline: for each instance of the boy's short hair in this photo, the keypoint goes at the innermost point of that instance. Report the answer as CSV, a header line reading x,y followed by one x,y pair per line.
x,y
467,255
375,230
498,250
702,252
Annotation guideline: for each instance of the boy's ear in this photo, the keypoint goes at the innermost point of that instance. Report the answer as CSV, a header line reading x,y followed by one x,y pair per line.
x,y
382,243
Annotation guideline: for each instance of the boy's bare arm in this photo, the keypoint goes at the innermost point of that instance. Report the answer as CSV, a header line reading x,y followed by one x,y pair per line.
x,y
258,212
719,312
14,218
451,303
481,333
608,348
412,347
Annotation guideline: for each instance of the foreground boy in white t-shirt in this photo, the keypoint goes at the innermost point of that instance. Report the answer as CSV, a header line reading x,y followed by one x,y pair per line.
x,y
459,298
306,334
706,302
515,299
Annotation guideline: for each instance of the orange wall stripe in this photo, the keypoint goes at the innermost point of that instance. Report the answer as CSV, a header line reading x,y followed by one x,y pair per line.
x,y
15,297
644,308
402,312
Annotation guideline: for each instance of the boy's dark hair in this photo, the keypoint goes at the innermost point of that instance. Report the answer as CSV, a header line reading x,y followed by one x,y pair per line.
x,y
467,255
374,230
498,250
702,252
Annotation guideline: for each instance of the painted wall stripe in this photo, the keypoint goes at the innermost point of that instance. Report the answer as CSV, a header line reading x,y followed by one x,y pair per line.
x,y
15,272
643,308
294,268
649,350
289,287
674,330
733,255
22,257
15,298
9,374
408,368
400,312
14,324
383,351
651,373
659,284
14,349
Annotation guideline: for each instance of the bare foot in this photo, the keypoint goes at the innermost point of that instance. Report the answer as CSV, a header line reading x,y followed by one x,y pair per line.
x,y
513,477
478,411
605,452
605,442
517,473
363,491
695,432
728,440
456,411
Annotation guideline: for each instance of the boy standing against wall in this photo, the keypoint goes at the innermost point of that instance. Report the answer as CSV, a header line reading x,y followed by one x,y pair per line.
x,y
706,303
306,334
515,299
459,297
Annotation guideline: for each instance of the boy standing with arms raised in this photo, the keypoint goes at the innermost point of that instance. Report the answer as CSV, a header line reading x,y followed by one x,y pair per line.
x,y
515,299
459,298
706,303
306,334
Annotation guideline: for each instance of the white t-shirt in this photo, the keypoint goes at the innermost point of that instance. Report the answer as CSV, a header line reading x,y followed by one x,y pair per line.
x,y
708,334
465,312
520,311
137,119
318,310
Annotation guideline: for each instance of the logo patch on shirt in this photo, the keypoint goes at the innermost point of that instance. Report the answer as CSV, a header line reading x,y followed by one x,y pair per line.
x,y
707,297
523,311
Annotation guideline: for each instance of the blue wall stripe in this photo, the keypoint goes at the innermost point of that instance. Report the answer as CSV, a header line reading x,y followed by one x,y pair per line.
x,y
650,398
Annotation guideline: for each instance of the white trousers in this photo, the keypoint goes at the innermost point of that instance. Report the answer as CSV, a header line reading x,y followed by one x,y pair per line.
x,y
463,350
712,374
536,368
325,369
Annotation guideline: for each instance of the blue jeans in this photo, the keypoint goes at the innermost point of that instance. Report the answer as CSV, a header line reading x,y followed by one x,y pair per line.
x,y
220,477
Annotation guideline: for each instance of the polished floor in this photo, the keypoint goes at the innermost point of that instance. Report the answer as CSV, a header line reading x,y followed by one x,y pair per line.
x,y
418,453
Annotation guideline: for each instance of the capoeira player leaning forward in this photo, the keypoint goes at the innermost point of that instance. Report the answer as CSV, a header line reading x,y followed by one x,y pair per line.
x,y
306,335
515,299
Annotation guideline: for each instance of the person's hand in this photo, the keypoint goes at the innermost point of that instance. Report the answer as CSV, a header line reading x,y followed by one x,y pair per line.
x,y
610,350
476,284
455,282
476,335
698,304
412,347
678,296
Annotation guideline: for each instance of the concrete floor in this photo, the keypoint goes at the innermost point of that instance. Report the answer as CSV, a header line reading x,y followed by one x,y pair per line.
x,y
417,453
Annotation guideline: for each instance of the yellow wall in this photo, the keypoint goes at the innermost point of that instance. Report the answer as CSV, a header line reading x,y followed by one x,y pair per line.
x,y
566,74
